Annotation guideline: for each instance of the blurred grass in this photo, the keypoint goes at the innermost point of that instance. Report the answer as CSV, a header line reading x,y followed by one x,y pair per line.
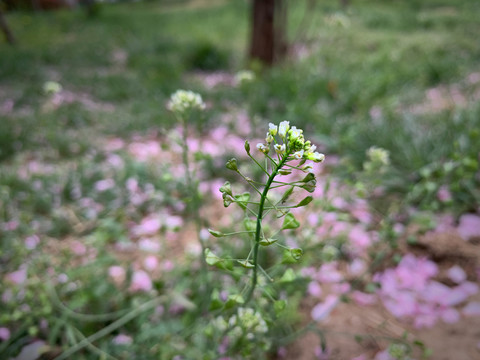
x,y
374,55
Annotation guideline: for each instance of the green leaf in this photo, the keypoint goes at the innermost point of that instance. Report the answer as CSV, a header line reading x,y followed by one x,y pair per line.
x,y
267,242
234,300
296,253
288,276
250,225
308,178
216,303
290,222
279,306
287,194
309,186
216,233
242,200
287,258
246,264
211,258
214,260
305,201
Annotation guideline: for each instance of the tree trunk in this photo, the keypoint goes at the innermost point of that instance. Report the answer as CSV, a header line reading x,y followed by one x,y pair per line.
x,y
268,41
6,30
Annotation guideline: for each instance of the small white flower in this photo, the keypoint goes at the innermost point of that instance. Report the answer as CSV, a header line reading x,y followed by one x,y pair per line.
x,y
298,155
272,129
311,149
295,133
280,149
316,157
183,101
269,138
283,129
263,148
52,87
244,76
308,167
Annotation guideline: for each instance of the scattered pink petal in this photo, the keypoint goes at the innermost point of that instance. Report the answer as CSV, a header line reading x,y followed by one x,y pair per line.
x,y
149,225
149,245
141,282
122,339
456,274
31,242
4,333
472,309
314,289
362,298
359,238
117,273
150,262
444,194
450,316
356,267
78,248
104,185
360,357
18,277
383,355
469,226
321,311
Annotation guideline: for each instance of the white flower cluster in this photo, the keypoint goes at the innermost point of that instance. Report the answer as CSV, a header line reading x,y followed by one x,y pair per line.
x,y
51,87
247,322
293,143
184,101
378,160
244,76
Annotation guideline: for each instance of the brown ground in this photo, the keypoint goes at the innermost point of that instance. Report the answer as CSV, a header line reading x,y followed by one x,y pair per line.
x,y
459,341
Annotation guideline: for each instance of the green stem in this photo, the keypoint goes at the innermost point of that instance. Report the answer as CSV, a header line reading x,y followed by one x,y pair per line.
x,y
195,208
259,227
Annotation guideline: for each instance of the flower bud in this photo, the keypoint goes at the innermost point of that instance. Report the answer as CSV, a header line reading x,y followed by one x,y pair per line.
x,y
247,147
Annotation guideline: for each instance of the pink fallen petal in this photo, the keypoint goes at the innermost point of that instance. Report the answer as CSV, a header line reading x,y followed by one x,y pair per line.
x,y
444,194
469,226
321,311
450,316
362,298
359,238
4,333
122,339
472,309
149,225
425,321
117,273
383,355
18,277
356,267
456,274
328,273
360,357
314,289
150,262
141,282
104,185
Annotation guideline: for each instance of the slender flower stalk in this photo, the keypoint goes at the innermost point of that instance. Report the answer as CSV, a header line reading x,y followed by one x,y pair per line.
x,y
259,226
184,104
289,145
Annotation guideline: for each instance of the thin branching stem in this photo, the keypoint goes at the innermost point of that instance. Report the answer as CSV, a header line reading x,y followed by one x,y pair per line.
x,y
259,227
